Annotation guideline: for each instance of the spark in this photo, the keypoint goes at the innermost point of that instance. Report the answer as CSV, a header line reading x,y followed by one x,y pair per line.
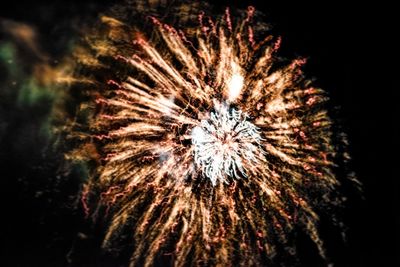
x,y
211,154
225,143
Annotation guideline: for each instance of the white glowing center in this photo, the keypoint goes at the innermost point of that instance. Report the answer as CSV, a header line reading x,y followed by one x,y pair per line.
x,y
226,144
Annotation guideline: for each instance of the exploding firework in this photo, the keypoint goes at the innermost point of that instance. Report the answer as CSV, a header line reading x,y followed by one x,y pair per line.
x,y
222,145
209,146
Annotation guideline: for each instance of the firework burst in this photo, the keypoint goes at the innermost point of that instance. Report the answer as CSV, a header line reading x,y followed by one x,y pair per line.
x,y
208,145
222,145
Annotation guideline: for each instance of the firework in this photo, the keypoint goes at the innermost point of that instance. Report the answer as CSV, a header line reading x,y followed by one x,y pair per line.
x,y
211,148
221,145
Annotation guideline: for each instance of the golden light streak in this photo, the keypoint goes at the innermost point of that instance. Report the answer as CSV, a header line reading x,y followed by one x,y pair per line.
x,y
183,103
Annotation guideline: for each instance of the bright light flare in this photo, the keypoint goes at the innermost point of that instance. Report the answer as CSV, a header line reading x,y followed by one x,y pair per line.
x,y
235,86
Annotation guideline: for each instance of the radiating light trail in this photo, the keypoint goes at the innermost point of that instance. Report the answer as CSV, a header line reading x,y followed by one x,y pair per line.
x,y
208,149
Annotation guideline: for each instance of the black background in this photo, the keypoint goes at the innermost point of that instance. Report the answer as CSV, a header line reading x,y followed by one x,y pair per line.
x,y
346,44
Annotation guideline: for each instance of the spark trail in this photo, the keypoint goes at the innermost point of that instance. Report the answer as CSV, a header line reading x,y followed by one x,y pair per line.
x,y
212,153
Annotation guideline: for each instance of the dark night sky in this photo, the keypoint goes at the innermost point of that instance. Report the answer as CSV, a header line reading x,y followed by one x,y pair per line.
x,y
344,43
